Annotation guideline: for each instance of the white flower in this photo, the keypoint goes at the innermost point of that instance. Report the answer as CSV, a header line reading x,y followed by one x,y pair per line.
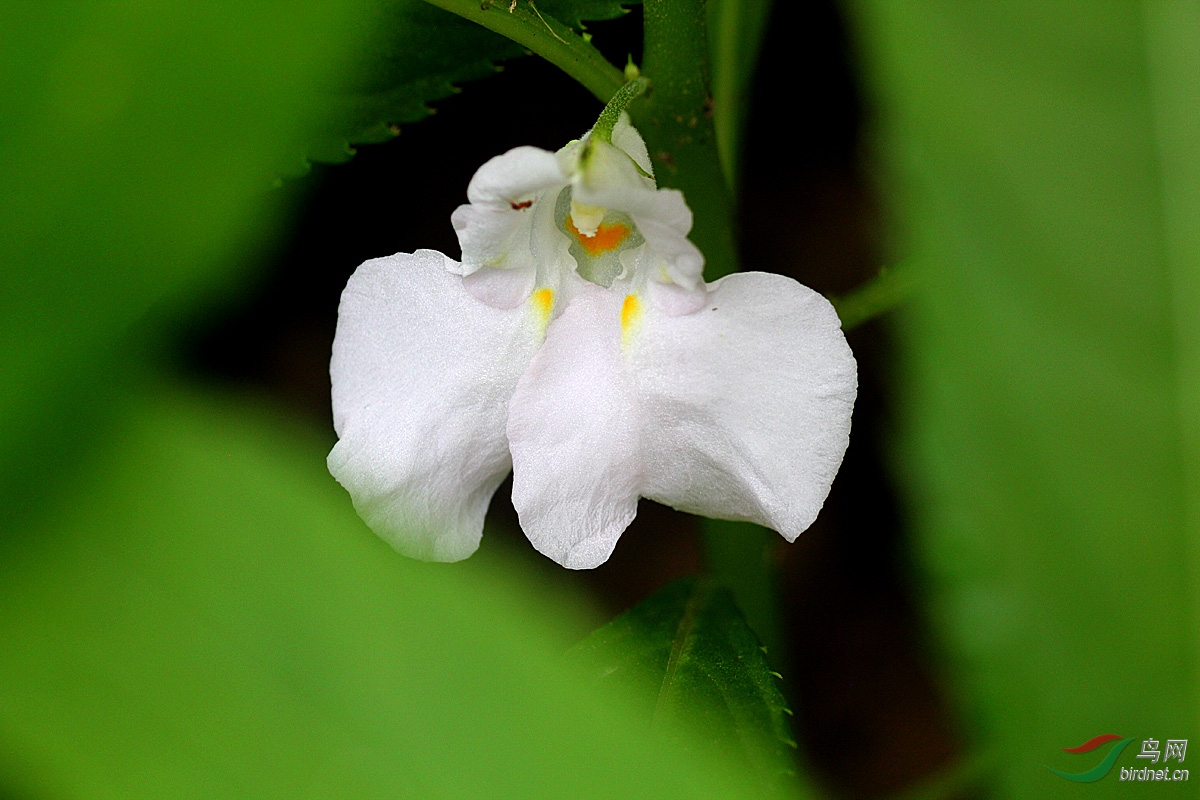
x,y
578,346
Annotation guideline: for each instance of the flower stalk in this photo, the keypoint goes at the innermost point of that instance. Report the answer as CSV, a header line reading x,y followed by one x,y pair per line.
x,y
887,290
620,101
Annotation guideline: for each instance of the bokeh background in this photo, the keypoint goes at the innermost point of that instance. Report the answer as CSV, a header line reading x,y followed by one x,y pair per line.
x,y
1006,565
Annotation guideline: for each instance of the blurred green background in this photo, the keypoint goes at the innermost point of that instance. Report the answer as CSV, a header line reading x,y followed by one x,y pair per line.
x,y
1007,566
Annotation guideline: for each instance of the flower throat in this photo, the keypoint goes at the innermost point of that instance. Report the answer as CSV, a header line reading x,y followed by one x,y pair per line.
x,y
598,237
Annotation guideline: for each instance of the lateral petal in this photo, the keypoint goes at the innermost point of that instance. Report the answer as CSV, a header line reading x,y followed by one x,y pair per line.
x,y
422,373
573,431
515,176
509,223
746,402
665,220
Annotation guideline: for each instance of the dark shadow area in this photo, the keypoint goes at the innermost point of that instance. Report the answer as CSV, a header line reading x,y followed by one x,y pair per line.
x,y
869,712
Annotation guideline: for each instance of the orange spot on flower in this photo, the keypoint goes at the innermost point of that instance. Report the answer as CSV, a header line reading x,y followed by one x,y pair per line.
x,y
607,237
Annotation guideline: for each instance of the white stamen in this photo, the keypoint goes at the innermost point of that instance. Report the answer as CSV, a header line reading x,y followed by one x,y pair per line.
x,y
587,219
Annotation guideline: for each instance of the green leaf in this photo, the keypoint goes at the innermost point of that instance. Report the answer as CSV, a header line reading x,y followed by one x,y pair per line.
x,y
140,142
690,661
421,52
417,54
203,615
577,13
1046,169
735,32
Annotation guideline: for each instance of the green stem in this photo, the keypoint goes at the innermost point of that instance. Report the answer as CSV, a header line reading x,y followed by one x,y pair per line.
x,y
741,556
675,117
546,36
887,290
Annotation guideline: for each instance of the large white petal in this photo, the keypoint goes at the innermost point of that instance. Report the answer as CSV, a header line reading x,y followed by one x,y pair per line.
x,y
746,403
422,373
573,430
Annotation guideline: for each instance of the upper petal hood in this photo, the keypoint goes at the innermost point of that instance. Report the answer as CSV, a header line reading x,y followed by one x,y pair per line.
x,y
627,138
422,373
745,403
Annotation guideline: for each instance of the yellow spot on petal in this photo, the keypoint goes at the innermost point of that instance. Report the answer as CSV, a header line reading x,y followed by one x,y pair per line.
x,y
631,313
605,239
543,304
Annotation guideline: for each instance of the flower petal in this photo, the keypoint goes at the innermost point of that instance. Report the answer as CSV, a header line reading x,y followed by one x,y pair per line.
x,y
573,430
422,373
509,224
627,138
501,288
609,179
514,177
668,255
746,403
665,221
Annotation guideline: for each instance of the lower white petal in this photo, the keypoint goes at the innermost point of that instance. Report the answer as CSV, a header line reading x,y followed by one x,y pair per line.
x,y
746,402
422,373
573,430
